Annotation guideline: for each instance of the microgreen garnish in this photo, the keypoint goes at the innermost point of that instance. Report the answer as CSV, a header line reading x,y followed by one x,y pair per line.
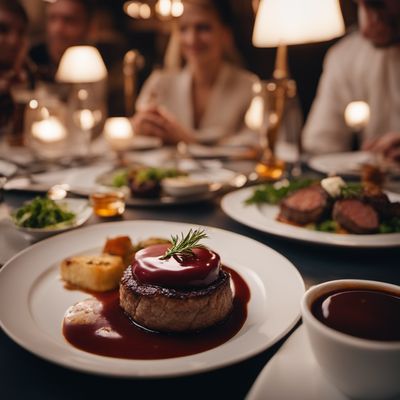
x,y
184,245
352,190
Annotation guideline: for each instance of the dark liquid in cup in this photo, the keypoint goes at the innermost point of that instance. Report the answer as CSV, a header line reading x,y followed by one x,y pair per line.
x,y
368,314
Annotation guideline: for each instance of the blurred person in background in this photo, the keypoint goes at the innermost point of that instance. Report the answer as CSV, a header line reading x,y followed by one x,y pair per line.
x,y
14,66
67,24
204,101
364,66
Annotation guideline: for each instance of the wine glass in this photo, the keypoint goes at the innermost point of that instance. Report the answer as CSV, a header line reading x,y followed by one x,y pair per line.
x,y
86,119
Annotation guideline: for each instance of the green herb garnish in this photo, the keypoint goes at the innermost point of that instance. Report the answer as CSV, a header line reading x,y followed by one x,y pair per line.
x,y
184,245
273,193
120,179
328,225
41,212
155,174
351,190
390,226
142,175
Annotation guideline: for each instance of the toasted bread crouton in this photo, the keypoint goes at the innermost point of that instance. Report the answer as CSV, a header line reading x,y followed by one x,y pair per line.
x,y
120,246
99,273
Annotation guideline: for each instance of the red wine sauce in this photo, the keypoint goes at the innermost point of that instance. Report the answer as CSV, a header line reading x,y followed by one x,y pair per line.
x,y
368,314
115,335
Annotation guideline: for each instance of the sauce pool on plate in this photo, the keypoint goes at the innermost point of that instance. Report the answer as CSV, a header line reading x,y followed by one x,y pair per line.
x,y
109,332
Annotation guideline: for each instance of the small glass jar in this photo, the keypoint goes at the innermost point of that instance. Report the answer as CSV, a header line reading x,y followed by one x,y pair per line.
x,y
108,203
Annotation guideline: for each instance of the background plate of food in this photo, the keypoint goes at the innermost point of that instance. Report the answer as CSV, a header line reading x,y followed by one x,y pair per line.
x,y
303,210
32,277
160,186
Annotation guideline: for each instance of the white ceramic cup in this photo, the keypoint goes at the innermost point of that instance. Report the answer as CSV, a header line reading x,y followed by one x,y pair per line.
x,y
360,368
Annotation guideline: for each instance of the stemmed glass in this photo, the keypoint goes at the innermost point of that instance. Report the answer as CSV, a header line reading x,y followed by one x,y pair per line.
x,y
87,116
279,130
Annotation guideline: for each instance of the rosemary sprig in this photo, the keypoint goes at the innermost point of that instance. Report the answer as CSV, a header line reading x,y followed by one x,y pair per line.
x,y
184,245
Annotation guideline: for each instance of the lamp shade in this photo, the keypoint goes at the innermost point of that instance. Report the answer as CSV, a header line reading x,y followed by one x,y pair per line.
x,y
294,22
81,64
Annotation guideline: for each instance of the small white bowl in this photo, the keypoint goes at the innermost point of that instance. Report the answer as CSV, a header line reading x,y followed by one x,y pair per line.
x,y
184,186
80,207
360,368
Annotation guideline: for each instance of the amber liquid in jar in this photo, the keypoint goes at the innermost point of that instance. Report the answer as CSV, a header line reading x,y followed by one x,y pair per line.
x,y
270,170
108,204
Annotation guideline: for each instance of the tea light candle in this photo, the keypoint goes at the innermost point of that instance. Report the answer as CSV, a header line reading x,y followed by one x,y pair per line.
x,y
357,115
49,130
118,132
86,119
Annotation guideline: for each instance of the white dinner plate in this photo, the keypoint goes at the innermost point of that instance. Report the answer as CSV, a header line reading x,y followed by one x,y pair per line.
x,y
293,373
82,211
345,164
39,300
263,218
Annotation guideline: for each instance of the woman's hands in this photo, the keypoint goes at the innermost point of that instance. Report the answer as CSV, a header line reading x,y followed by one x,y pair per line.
x,y
388,146
157,121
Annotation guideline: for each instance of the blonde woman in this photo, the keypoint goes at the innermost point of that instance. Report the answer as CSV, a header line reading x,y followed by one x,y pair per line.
x,y
205,100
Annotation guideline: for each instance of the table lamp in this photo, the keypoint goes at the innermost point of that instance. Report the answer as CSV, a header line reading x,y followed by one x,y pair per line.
x,y
83,68
288,22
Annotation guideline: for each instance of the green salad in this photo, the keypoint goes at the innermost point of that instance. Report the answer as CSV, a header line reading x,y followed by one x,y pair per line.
x,y
42,212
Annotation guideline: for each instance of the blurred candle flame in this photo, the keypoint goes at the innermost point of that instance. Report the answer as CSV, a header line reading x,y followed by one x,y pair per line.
x,y
357,115
49,130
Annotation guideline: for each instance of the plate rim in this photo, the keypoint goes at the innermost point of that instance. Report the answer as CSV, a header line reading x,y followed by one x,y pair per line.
x,y
314,162
251,217
289,321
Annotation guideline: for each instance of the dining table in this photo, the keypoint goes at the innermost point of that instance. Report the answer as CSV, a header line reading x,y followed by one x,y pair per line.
x,y
24,375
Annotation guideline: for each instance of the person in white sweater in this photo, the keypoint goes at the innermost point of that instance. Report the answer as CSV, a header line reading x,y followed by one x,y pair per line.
x,y
204,101
364,66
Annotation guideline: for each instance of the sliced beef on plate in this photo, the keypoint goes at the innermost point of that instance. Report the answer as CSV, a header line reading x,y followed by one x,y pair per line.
x,y
305,205
356,216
